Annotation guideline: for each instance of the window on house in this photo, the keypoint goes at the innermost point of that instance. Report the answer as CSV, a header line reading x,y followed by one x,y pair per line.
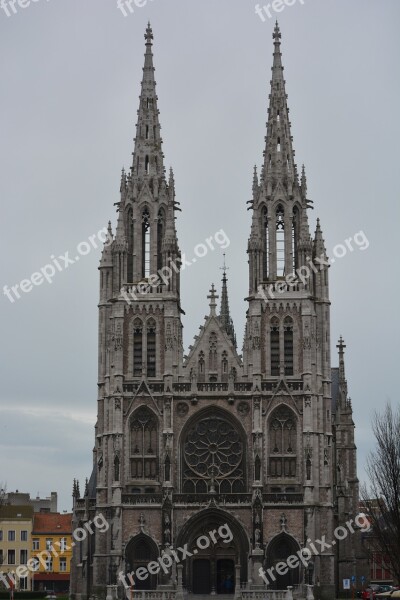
x,y
11,535
49,543
144,444
49,564
23,583
23,557
11,557
63,544
1,535
275,347
63,565
24,535
137,347
35,544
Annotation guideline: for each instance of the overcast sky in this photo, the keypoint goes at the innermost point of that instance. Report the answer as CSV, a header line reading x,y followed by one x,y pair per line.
x,y
70,79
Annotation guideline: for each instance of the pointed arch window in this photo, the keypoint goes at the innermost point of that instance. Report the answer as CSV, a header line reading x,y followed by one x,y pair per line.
x,y
146,243
288,345
280,242
201,366
129,227
144,444
274,347
160,237
278,145
147,165
213,352
137,348
151,348
283,443
265,242
295,238
147,132
116,468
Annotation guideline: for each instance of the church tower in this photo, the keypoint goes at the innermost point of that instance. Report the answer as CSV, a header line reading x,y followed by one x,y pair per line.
x,y
256,450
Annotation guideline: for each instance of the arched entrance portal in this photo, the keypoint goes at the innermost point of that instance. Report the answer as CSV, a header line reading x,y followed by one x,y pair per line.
x,y
139,552
279,550
219,544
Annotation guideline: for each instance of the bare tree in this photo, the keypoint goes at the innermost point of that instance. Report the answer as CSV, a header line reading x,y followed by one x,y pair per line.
x,y
381,497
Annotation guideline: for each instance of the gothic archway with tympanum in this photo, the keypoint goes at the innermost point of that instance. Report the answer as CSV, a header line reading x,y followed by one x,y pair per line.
x,y
279,550
221,545
213,454
139,552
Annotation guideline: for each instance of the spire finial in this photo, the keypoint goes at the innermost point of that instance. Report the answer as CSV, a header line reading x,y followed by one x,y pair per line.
x,y
224,268
341,346
224,315
277,33
148,36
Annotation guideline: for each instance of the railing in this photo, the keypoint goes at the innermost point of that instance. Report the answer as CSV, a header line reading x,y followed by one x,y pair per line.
x,y
133,387
142,498
181,387
154,595
212,387
243,386
266,595
203,499
294,386
80,503
283,498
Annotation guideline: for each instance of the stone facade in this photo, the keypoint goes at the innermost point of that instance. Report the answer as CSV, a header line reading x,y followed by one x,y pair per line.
x,y
262,442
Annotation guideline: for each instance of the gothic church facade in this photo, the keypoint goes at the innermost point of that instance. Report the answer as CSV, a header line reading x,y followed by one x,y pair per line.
x,y
263,441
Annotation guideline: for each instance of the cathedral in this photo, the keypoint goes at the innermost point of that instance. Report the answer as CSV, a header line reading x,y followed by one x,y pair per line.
x,y
260,444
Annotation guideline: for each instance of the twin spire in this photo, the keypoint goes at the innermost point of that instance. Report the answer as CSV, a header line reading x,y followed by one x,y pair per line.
x,y
279,154
148,158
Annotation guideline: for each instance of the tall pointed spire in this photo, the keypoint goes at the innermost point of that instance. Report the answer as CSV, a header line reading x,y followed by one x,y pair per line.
x,y
279,162
148,158
224,316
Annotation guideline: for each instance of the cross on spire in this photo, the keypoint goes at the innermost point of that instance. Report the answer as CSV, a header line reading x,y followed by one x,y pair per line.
x,y
213,300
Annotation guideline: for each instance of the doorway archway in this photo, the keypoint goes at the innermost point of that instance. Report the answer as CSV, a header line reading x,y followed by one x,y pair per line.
x,y
141,550
212,568
279,550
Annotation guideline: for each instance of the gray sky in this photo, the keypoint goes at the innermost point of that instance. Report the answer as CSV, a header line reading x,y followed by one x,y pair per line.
x,y
70,79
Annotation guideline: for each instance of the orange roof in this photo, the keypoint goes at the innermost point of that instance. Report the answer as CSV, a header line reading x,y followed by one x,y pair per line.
x,y
52,523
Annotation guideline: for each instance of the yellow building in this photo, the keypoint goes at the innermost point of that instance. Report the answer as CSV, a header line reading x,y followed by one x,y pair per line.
x,y
15,543
51,545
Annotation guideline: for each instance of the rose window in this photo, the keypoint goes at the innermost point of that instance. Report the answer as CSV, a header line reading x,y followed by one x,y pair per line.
x,y
213,454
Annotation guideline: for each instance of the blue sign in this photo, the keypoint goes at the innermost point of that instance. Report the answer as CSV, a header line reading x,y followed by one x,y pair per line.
x,y
353,579
362,579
